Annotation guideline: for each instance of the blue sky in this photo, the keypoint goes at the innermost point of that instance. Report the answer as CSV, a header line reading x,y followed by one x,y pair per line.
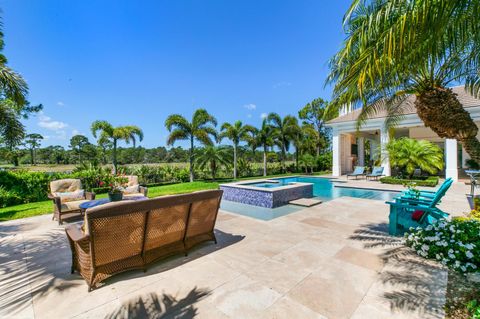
x,y
135,62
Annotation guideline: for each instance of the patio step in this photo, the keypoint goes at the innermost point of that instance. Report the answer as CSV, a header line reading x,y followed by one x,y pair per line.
x,y
306,202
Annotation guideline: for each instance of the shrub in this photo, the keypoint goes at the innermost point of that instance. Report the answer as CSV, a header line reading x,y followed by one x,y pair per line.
x,y
454,243
9,198
430,181
324,161
409,154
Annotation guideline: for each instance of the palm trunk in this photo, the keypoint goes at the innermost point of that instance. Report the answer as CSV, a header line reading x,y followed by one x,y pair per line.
x,y
114,155
284,154
296,158
34,156
264,160
31,157
234,161
441,111
191,159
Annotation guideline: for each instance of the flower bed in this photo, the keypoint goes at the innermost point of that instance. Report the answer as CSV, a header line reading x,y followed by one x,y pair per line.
x,y
454,243
430,181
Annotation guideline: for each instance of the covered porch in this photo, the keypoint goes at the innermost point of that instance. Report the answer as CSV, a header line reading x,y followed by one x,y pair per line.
x,y
367,147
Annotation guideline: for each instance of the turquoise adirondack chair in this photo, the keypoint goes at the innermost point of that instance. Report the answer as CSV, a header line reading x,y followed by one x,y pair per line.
x,y
426,196
403,208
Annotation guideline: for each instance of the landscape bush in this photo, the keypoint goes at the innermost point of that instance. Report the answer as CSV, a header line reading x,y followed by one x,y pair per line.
x,y
454,243
430,181
9,198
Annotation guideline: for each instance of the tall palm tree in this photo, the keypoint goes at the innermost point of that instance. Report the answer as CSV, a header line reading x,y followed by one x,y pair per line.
x,y
114,135
213,157
401,47
265,138
284,132
236,133
201,128
12,132
252,140
33,140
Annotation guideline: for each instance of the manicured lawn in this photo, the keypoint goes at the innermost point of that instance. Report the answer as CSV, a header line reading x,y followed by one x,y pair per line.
x,y
45,207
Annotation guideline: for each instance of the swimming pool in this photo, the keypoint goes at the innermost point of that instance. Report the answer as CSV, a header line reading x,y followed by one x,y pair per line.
x,y
324,189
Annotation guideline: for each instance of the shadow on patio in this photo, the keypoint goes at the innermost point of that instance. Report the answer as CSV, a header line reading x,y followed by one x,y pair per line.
x,y
165,306
32,265
411,283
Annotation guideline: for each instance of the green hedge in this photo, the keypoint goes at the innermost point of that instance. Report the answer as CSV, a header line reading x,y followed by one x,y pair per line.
x,y
430,181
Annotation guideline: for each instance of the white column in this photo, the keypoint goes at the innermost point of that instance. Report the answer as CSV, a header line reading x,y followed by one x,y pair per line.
x,y
451,166
336,164
361,151
384,139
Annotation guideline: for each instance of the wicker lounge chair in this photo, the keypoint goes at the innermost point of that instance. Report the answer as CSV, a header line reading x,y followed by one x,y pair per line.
x,y
129,235
133,188
358,171
67,195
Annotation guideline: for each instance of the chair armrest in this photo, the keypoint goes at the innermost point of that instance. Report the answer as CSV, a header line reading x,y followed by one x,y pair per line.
x,y
419,207
425,201
75,233
90,195
143,190
57,201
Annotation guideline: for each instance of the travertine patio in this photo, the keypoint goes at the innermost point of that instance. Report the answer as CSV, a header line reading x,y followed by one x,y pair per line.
x,y
333,260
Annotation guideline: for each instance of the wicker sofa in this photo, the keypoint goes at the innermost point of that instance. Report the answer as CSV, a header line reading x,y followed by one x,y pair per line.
x,y
67,195
129,235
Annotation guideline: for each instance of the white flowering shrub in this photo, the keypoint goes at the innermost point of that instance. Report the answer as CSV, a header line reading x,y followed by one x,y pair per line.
x,y
455,243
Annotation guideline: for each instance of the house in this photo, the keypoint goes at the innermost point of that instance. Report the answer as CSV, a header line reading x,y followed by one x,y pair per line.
x,y
360,147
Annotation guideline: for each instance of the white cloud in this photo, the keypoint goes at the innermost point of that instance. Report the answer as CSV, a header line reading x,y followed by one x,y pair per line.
x,y
249,116
263,115
250,106
280,84
49,124
60,103
75,132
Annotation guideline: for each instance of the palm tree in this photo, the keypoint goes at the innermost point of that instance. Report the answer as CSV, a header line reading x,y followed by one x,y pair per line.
x,y
213,157
401,47
114,134
33,140
265,136
236,133
252,140
201,128
12,131
284,132
410,154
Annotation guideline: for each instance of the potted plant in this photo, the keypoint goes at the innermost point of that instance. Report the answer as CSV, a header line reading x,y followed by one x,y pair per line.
x,y
115,192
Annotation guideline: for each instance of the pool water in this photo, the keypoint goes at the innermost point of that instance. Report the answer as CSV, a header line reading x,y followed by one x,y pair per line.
x,y
325,190
265,185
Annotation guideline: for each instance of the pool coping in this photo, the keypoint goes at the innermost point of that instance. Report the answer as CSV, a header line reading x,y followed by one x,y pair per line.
x,y
246,184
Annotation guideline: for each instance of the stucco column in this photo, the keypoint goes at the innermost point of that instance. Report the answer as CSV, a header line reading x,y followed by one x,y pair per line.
x,y
384,139
451,166
336,164
361,151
